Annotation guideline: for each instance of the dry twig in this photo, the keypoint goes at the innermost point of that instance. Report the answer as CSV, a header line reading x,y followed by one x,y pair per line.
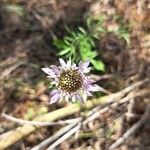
x,y
115,104
37,123
132,130
64,137
21,132
12,68
62,131
132,115
130,107
91,116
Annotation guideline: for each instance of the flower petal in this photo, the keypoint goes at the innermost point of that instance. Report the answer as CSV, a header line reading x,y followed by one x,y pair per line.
x,y
74,98
68,64
49,71
55,81
88,93
54,98
78,97
87,82
90,80
62,63
83,65
93,88
55,69
84,96
87,70
61,96
74,66
53,92
67,96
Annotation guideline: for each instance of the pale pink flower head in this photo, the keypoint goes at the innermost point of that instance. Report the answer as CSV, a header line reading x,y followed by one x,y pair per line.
x,y
71,81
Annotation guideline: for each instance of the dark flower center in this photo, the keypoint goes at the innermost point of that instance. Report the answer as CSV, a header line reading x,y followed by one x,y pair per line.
x,y
70,81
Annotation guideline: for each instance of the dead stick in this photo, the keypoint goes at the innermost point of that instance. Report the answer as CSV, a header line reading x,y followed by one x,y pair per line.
x,y
21,132
62,131
132,130
91,116
36,123
64,137
116,103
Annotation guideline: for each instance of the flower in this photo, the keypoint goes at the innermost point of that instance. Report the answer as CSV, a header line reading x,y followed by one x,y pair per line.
x,y
71,81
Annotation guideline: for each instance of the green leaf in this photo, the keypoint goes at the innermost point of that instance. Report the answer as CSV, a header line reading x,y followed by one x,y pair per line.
x,y
66,42
91,40
88,22
96,36
101,29
98,65
82,30
50,86
93,54
59,43
80,44
70,39
101,19
73,34
65,51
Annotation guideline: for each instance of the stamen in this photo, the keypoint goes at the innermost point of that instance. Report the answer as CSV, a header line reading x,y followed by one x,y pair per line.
x,y
70,81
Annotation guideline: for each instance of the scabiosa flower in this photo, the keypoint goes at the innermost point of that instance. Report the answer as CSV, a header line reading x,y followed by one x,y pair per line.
x,y
71,82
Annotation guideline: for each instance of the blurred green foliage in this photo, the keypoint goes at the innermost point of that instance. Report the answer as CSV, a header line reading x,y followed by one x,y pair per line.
x,y
81,44
14,8
123,29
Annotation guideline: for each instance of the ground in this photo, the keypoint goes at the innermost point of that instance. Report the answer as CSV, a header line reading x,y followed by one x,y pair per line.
x,y
26,45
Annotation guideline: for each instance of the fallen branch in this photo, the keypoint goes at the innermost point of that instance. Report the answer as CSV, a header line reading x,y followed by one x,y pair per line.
x,y
93,115
132,115
61,132
36,123
132,130
47,141
115,104
102,77
71,131
130,108
5,134
21,132
64,137
6,72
